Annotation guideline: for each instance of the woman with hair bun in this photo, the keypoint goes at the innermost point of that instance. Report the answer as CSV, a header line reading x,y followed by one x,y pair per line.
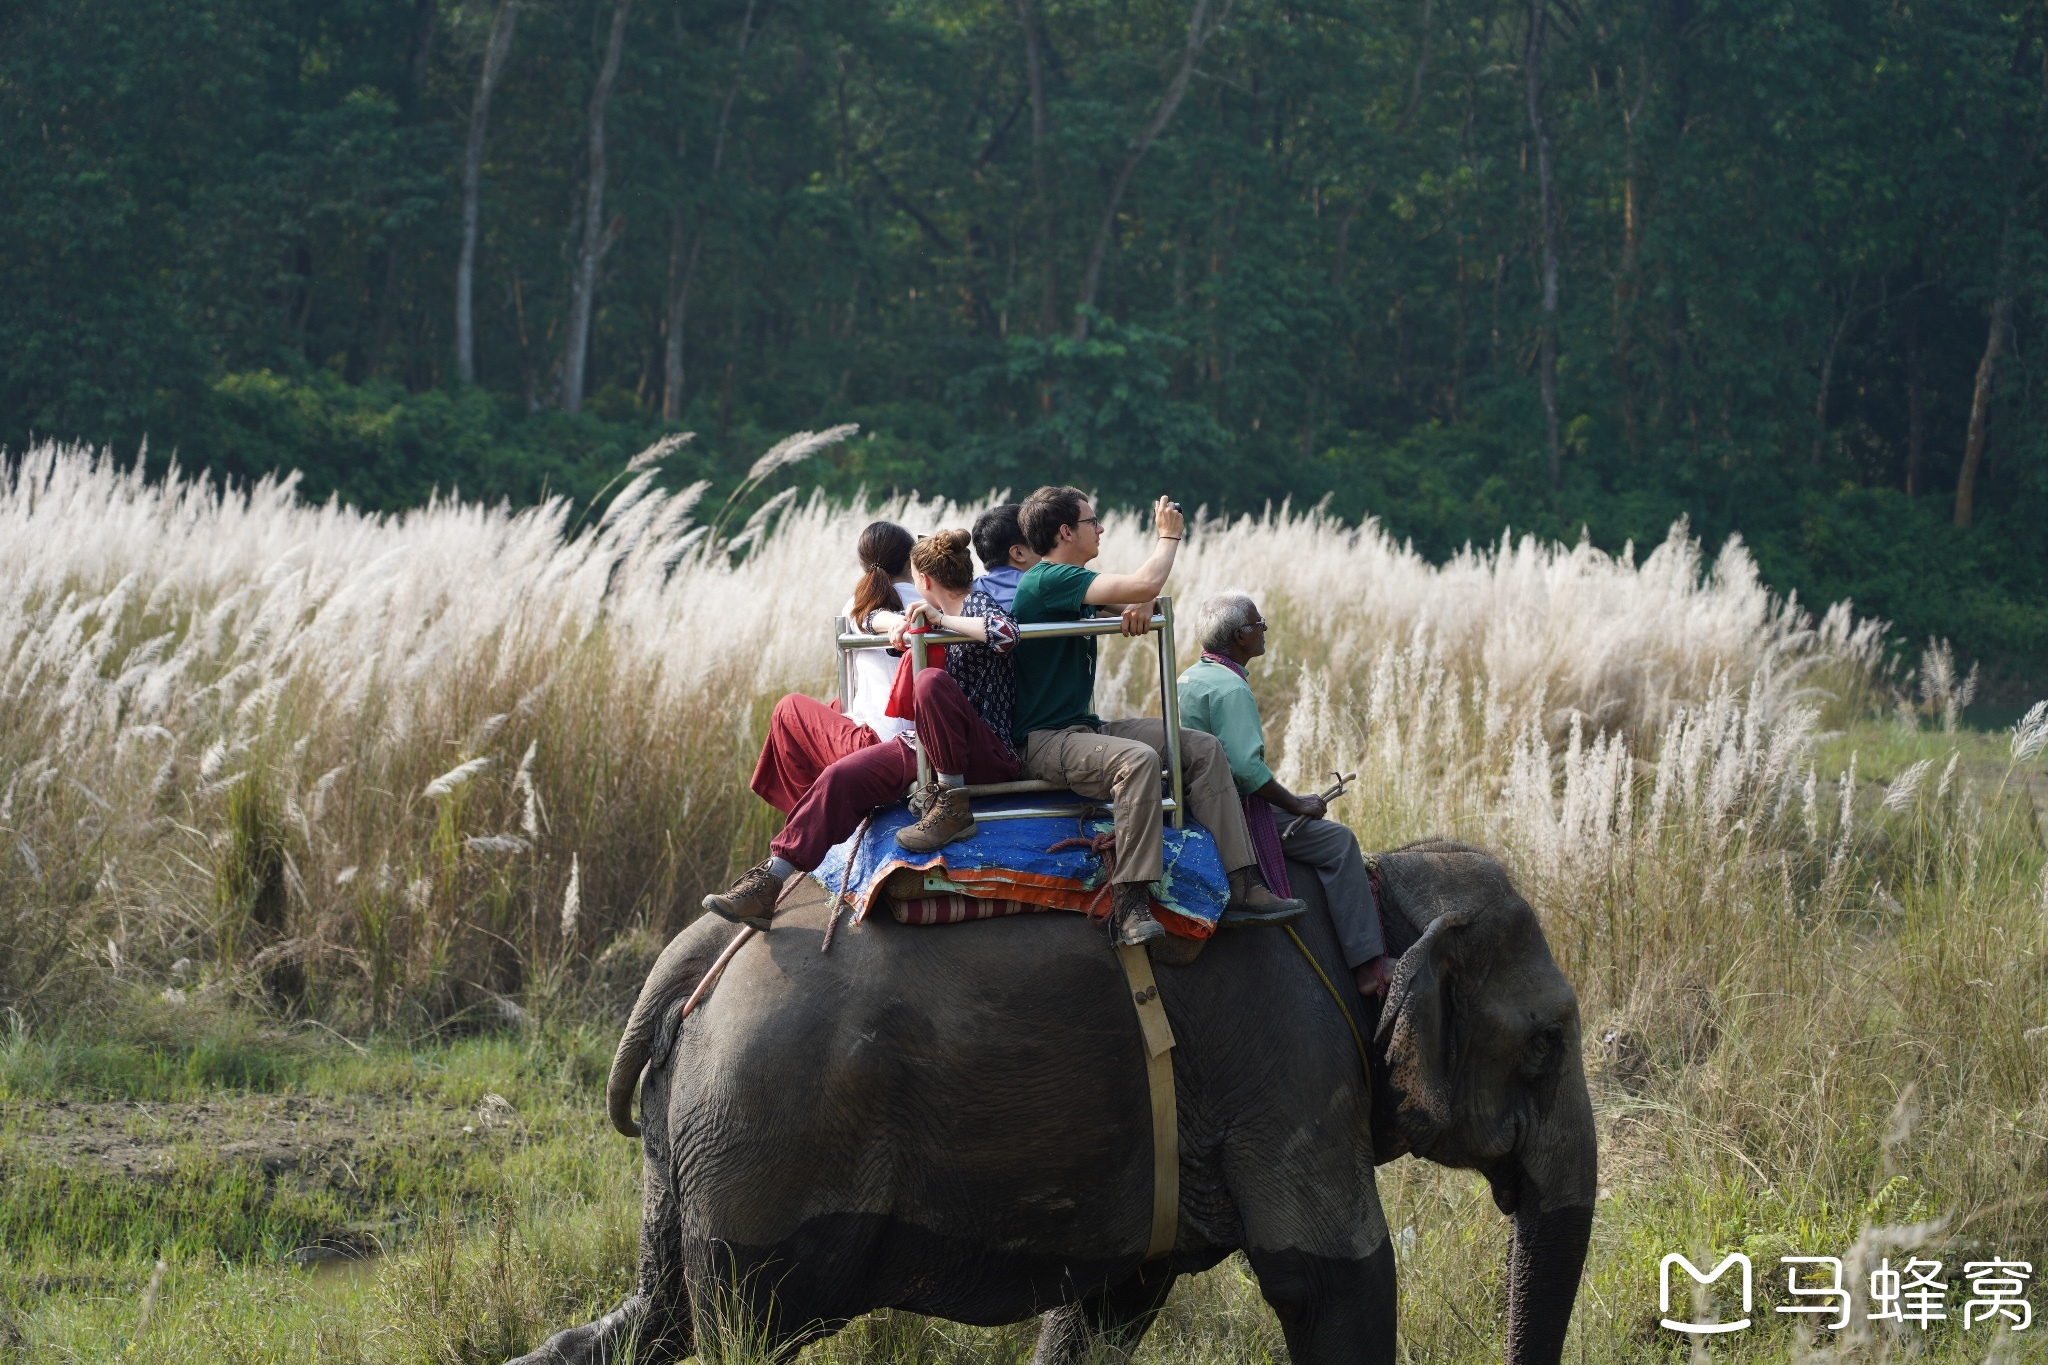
x,y
962,721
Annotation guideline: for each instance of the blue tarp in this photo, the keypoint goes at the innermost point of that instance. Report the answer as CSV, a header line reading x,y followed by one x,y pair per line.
x,y
1192,885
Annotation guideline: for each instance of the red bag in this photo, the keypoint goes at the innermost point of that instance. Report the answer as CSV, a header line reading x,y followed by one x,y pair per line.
x,y
903,691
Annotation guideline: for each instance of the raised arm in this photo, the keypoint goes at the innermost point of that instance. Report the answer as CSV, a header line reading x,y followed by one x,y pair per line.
x,y
1123,589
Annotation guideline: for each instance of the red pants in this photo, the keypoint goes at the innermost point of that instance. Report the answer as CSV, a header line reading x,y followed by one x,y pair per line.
x,y
849,776
805,737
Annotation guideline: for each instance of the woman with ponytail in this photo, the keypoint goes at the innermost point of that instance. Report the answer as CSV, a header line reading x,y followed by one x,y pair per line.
x,y
961,712
877,606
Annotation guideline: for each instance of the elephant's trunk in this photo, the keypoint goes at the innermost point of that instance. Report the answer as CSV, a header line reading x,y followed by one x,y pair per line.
x,y
1543,1280
677,969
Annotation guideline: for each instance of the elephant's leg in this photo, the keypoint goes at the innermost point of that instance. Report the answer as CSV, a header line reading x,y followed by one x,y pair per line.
x,y
1333,1312
1117,1317
667,1330
760,1310
594,1343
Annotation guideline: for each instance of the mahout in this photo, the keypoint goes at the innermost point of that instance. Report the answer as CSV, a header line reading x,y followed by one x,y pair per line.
x,y
955,1121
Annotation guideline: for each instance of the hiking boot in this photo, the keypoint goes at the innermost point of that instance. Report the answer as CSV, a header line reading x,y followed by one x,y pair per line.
x,y
1251,904
947,817
751,901
1130,916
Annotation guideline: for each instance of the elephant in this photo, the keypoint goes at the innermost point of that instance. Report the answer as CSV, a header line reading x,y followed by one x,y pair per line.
x,y
955,1121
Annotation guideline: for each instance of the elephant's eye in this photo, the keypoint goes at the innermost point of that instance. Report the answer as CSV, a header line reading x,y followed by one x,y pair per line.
x,y
1544,1047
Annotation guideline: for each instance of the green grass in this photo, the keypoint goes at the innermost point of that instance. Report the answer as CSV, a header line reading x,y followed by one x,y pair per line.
x,y
488,1240
1841,1060
1884,749
242,1154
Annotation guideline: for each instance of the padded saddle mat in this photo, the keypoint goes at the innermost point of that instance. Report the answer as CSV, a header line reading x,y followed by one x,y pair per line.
x,y
1012,860
958,909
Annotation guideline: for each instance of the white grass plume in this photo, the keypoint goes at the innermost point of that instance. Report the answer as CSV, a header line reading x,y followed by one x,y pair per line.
x,y
456,776
2030,735
792,450
659,451
1899,795
572,898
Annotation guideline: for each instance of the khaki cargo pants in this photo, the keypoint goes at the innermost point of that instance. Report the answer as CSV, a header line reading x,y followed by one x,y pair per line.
x,y
1120,764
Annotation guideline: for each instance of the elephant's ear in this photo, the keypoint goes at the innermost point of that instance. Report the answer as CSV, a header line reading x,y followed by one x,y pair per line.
x,y
1416,1032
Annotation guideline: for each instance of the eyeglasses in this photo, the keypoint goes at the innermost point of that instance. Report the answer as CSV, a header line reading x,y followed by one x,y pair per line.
x,y
1096,522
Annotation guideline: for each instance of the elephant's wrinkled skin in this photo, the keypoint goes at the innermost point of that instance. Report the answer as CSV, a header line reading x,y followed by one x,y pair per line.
x,y
954,1121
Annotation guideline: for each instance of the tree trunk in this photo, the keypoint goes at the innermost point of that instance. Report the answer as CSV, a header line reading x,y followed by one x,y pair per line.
x,y
424,18
496,50
1421,67
2002,300
1916,403
1839,330
682,261
682,275
1625,274
597,234
1091,280
1034,72
1987,375
1532,64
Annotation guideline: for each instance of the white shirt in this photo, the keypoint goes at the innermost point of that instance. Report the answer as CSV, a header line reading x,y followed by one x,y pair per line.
x,y
873,673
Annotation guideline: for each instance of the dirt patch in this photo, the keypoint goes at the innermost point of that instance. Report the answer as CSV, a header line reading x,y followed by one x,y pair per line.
x,y
313,1141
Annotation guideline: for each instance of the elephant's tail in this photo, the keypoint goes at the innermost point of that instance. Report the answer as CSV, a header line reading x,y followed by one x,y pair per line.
x,y
651,1029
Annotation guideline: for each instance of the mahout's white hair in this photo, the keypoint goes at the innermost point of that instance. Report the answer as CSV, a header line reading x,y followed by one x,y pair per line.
x,y
1223,616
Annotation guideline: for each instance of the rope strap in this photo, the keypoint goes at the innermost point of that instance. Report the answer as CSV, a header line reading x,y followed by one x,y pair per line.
x,y
1364,1058
1165,1119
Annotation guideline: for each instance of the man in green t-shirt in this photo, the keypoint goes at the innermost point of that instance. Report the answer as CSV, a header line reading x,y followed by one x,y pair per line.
x,y
1063,741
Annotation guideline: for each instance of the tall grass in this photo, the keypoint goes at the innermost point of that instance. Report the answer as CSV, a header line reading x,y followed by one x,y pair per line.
x,y
406,769
385,768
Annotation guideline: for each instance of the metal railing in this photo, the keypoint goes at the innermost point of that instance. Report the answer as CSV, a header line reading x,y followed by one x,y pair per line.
x,y
1161,626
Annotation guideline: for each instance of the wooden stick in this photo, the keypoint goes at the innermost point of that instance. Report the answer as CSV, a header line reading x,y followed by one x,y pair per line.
x,y
832,906
746,932
1329,794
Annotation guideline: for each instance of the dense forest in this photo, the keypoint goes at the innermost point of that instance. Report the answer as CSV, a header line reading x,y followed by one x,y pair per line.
x,y
1559,265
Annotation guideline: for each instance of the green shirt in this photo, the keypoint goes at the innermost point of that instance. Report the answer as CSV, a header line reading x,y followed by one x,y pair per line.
x,y
1214,699
1055,678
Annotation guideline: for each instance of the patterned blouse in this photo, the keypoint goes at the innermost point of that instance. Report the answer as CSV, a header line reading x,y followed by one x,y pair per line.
x,y
986,673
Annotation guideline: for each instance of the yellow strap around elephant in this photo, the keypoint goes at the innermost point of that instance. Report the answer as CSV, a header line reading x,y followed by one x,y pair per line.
x,y
1357,1038
1165,1120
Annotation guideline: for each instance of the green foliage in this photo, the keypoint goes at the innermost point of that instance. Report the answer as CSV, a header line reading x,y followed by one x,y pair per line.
x,y
234,226
1082,405
375,445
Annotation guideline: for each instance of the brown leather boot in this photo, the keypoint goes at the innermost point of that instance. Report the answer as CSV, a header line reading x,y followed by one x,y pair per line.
x,y
1252,904
947,816
1130,916
751,901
